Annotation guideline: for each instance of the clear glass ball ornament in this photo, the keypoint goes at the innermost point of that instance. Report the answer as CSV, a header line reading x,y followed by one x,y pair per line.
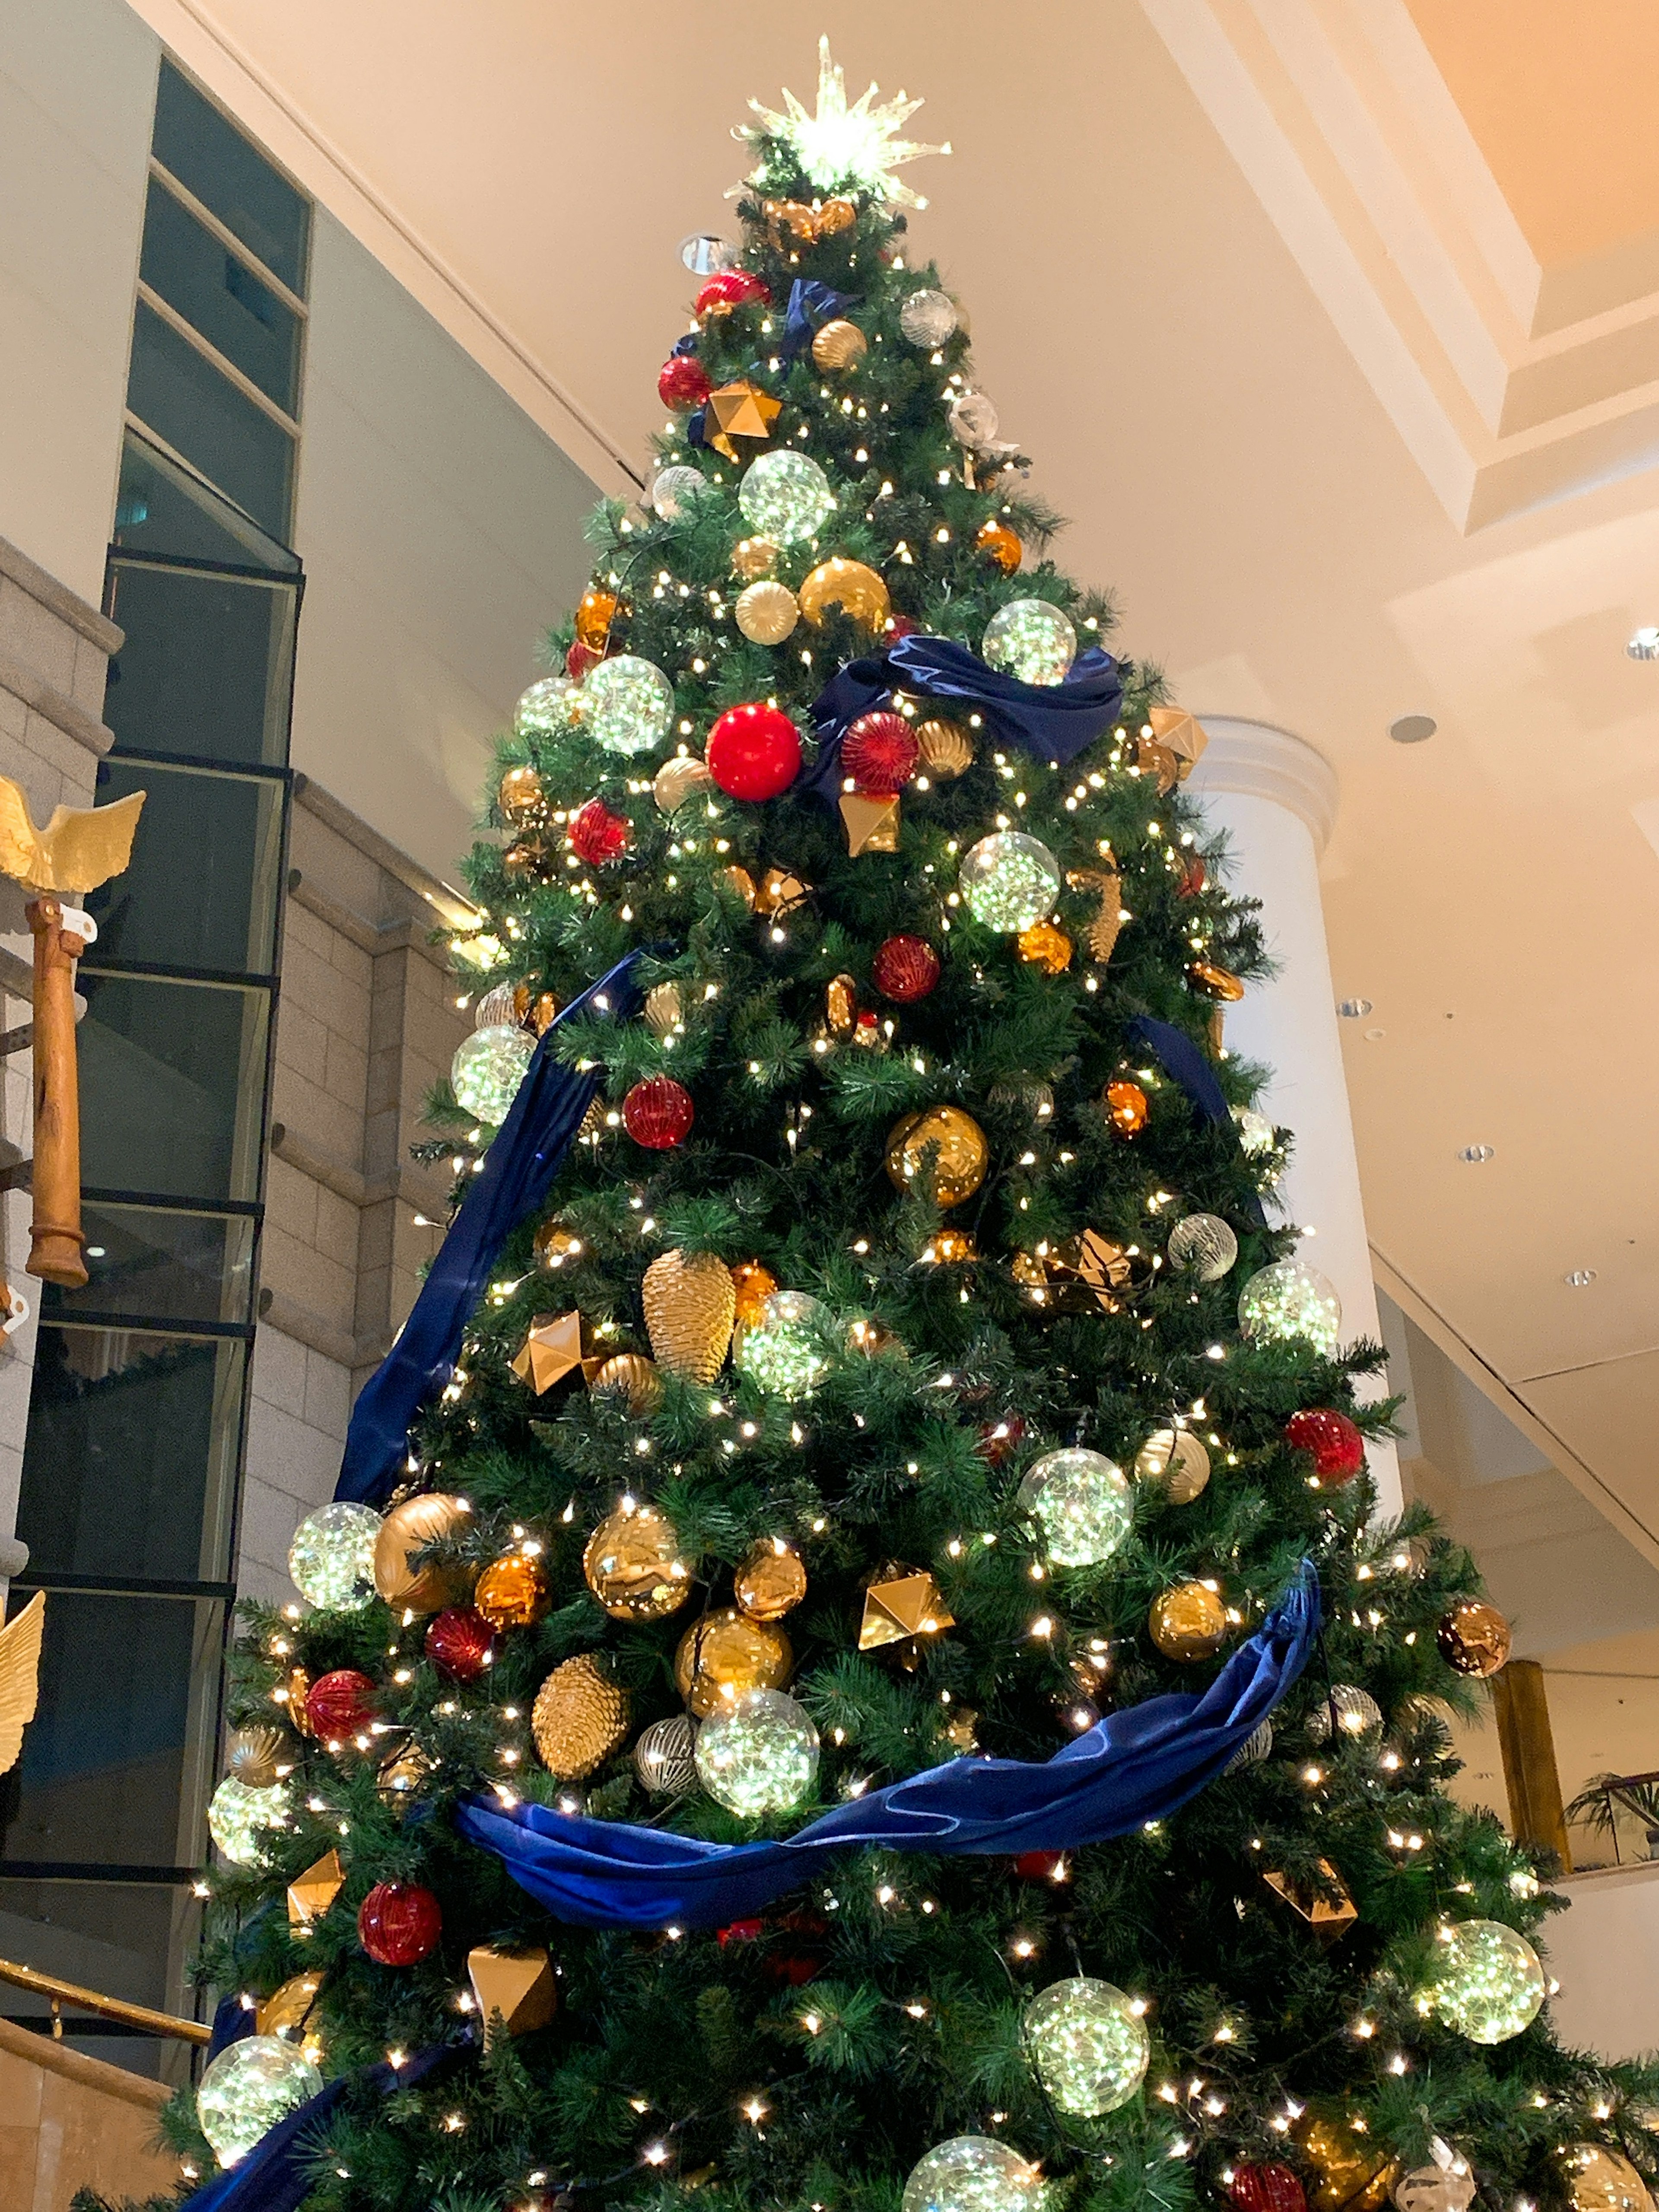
x,y
1088,2045
673,490
1357,1712
488,1068
330,1561
247,2088
1205,1243
1291,1300
551,704
239,1815
759,1755
1257,1132
973,2173
1008,881
1489,1985
1083,1502
781,1351
1031,640
927,319
629,703
785,497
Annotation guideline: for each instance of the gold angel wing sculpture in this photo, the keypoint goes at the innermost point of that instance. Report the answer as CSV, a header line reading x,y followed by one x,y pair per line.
x,y
19,1677
79,848
22,856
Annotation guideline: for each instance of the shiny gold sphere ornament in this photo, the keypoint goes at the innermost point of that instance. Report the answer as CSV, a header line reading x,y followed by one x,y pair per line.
x,y
771,1581
1088,2045
973,2173
1000,544
677,779
579,1718
1474,1638
767,612
753,1285
520,798
946,749
1211,981
259,1757
1598,2180
1045,946
846,587
691,1302
1291,1301
295,1690
555,1244
1187,1621
1174,1462
1082,1503
839,345
754,556
724,1654
783,1351
1126,1107
1349,2173
408,1529
636,1566
1488,1983
634,1378
757,1753
664,1757
946,1146
595,612
512,1592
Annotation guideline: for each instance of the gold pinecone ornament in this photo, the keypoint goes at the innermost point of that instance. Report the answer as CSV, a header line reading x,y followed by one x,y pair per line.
x,y
579,1718
690,1303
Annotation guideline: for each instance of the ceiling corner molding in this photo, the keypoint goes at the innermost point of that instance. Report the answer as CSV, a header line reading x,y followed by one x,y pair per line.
x,y
1259,761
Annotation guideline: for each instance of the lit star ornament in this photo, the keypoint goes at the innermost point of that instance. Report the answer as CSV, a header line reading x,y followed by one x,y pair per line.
x,y
842,146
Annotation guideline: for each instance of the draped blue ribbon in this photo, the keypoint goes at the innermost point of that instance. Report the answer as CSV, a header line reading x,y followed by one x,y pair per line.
x,y
1136,1766
1185,1065
1052,721
524,1156
810,303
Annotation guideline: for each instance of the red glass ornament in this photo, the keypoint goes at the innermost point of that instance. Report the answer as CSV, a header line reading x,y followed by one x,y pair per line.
x,y
1189,883
740,1932
754,751
905,968
683,383
1040,1866
597,834
579,658
901,626
998,1438
658,1113
1266,2189
727,288
338,1705
1337,1448
880,752
398,1923
459,1642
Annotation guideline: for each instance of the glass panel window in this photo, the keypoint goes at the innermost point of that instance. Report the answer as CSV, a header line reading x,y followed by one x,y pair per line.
x,y
208,666
218,294
173,1085
210,157
144,1264
181,396
132,1940
162,509
220,911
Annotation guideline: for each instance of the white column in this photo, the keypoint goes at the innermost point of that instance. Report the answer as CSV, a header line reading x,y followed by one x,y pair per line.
x,y
1276,798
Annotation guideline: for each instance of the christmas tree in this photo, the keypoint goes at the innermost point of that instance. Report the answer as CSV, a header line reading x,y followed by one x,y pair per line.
x,y
900,1428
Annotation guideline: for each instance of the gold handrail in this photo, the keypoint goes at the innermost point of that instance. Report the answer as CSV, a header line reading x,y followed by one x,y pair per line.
x,y
71,1993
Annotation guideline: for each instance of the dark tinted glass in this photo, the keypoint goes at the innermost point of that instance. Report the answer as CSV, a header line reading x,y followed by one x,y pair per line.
x,y
127,1940
172,1086
182,398
220,911
207,665
218,294
162,509
210,156
131,1454
151,1266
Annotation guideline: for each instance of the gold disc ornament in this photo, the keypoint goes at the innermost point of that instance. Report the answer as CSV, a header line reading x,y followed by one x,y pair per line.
x,y
1474,1638
691,1302
634,1378
959,1159
724,1654
839,345
635,1564
847,587
947,750
1187,1621
579,1718
678,780
408,1529
1175,1462
771,1581
767,612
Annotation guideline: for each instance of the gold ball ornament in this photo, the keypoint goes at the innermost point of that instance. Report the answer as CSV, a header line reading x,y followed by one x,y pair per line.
x,y
555,1244
1045,946
754,556
595,612
259,1757
839,345
579,1718
724,1654
1001,544
408,1529
1176,1463
752,1285
959,1162
520,797
664,1009
634,1378
1602,2180
947,750
691,1302
848,587
678,780
401,1779
634,1567
1474,1638
1349,2173
1188,1622
767,612
1126,1107
512,1592
772,1580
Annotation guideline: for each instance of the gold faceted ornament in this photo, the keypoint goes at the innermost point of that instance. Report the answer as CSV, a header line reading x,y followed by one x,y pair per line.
x,y
555,1244
1326,1907
288,2012
678,780
1349,2173
579,1718
1176,1463
754,556
872,824
513,1988
1045,946
1107,886
771,1581
520,797
512,1592
839,345
1474,1638
665,1009
311,1893
779,891
724,1654
742,410
634,1567
752,1284
947,750
1211,981
1188,1622
1602,2180
690,1303
1098,1274
847,587
552,1349
901,1605
259,1756
636,1377
740,882
1174,729
767,612
407,1529
958,1163
401,1779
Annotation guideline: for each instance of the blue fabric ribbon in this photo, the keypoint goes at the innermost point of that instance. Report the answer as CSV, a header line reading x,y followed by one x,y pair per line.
x,y
526,1153
809,304
1134,1766
1185,1065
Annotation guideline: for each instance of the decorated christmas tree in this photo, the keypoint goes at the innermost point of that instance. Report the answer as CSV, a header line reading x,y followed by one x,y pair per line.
x,y
855,1662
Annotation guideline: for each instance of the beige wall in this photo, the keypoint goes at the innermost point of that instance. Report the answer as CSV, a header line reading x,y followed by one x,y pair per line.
x,y
69,2122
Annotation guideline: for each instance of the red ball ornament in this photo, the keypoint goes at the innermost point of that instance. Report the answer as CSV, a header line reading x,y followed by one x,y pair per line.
x,y
1266,2189
597,834
398,1923
754,751
901,626
682,383
338,1705
880,752
1336,1445
998,1438
460,1642
730,287
579,658
658,1113
740,1932
1040,1866
905,968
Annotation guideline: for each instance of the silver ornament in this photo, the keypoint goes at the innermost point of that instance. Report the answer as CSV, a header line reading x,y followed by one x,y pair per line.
x,y
495,1007
927,319
1357,1712
1446,2183
1204,1243
664,1757
672,491
1255,1749
973,422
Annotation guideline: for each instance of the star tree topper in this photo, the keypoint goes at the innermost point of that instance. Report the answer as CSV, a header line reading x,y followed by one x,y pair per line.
x,y
840,146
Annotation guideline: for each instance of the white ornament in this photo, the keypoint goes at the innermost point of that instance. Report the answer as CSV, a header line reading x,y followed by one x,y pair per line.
x,y
928,319
672,491
1357,1713
973,422
629,703
238,1816
1088,2045
1205,1243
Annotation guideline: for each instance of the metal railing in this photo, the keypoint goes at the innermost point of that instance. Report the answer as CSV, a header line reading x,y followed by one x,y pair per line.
x,y
140,2018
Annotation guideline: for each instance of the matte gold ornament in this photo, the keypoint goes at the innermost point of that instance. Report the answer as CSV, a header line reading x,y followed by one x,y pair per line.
x,y
754,556
960,1156
839,345
1328,1917
552,1349
1107,886
947,750
724,1654
555,1244
1176,1463
579,1718
634,1567
1601,2180
289,2012
872,824
311,1893
1474,1638
847,587
1045,946
742,410
403,1777
636,1378
1188,1622
1350,2174
901,1605
771,1581
779,891
767,612
259,1756
512,1592
514,1989
520,797
410,1527
1211,981
690,1303
665,1009
740,882
1174,729
678,780
752,1285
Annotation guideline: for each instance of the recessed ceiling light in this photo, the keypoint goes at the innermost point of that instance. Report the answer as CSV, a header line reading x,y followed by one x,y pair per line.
x,y
704,254
1579,1278
1645,646
1474,1155
1412,729
1351,1009
1372,1036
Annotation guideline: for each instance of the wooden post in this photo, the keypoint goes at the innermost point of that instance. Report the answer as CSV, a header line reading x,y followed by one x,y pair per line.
x,y
54,1237
1529,1775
